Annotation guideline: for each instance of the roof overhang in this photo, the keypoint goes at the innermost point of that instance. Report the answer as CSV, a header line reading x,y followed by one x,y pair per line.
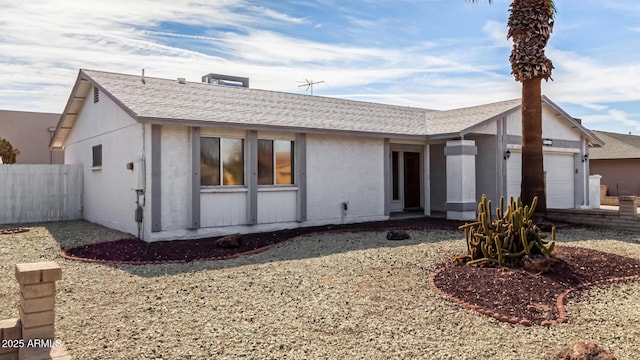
x,y
70,114
293,129
81,90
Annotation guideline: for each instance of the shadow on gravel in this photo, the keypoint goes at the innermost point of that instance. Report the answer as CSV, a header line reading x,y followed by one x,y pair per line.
x,y
180,256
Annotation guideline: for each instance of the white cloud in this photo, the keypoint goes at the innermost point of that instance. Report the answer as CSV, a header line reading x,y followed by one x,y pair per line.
x,y
611,117
498,33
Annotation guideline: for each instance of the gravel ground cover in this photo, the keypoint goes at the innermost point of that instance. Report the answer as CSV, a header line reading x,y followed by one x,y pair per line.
x,y
332,295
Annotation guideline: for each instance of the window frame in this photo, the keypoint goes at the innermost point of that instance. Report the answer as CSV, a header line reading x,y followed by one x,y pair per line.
x,y
274,163
221,162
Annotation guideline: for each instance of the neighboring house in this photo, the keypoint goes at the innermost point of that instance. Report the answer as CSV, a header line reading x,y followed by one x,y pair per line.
x,y
618,162
204,159
30,133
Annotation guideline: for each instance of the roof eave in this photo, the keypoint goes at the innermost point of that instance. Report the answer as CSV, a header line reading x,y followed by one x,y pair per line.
x,y
68,117
259,127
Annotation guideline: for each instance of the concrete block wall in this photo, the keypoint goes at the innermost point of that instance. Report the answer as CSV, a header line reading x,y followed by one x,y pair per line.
x,y
33,333
611,200
625,218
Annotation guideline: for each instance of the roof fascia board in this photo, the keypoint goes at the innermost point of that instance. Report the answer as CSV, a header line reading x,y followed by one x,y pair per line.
x,y
586,132
293,129
446,136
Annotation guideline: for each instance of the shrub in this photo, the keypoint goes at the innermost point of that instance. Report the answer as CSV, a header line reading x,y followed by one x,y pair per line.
x,y
7,152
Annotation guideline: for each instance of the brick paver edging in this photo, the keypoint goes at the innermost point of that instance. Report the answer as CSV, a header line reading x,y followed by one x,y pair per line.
x,y
522,321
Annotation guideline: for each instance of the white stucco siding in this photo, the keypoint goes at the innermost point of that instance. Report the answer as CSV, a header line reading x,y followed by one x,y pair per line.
x,y
108,198
553,126
489,129
175,178
99,118
344,169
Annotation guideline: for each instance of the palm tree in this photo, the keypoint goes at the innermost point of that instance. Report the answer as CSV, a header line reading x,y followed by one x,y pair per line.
x,y
530,25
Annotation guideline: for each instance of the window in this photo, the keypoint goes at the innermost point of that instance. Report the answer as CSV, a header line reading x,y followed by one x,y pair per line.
x,y
275,162
97,156
221,156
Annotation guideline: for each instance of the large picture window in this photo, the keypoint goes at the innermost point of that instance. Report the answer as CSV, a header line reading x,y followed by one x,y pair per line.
x,y
275,162
221,161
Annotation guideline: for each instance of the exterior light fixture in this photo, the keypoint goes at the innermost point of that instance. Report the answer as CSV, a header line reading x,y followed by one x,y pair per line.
x,y
585,158
507,154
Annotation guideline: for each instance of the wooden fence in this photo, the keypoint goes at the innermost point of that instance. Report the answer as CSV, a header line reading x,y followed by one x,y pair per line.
x,y
38,193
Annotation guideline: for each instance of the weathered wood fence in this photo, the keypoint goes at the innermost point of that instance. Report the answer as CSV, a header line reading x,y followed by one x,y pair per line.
x,y
38,193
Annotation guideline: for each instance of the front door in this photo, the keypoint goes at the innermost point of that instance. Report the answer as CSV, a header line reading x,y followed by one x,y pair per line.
x,y
411,180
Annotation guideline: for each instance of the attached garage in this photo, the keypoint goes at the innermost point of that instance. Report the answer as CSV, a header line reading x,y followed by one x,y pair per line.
x,y
560,180
559,171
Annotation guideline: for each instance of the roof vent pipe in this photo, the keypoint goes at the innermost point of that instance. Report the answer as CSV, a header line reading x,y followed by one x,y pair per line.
x,y
229,80
182,81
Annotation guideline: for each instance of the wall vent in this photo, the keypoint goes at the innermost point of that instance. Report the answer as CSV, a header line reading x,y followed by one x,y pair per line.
x,y
228,80
96,94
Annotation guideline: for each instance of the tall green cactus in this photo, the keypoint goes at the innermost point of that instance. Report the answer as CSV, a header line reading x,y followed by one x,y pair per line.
x,y
505,239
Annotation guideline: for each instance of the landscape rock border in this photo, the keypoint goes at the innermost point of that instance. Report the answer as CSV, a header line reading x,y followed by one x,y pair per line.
x,y
15,230
391,227
562,318
64,255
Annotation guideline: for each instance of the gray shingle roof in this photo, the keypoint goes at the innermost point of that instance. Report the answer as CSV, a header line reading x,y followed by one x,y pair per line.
x,y
458,120
169,101
617,146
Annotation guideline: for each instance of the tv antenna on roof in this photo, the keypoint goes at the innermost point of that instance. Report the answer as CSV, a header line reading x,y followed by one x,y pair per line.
x,y
309,84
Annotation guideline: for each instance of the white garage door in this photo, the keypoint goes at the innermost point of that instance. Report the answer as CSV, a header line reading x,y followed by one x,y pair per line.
x,y
560,172
559,169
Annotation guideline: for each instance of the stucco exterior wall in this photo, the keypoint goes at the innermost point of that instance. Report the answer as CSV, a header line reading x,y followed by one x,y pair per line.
x,y
108,198
176,181
551,126
621,176
344,169
29,132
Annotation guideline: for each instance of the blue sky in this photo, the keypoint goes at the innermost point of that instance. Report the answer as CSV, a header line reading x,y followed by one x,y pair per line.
x,y
436,54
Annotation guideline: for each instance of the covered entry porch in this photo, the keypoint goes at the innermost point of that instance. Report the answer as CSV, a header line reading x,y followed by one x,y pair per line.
x,y
435,179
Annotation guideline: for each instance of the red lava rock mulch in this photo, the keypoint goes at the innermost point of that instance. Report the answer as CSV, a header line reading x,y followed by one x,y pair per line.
x,y
10,231
517,296
137,252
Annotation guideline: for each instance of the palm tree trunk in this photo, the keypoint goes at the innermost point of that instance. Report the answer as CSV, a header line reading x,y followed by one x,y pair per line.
x,y
533,179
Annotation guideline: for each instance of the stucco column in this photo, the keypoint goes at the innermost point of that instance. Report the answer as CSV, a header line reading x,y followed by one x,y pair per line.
x,y
594,191
461,179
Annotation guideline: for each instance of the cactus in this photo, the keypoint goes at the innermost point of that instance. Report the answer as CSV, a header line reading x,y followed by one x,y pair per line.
x,y
505,239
